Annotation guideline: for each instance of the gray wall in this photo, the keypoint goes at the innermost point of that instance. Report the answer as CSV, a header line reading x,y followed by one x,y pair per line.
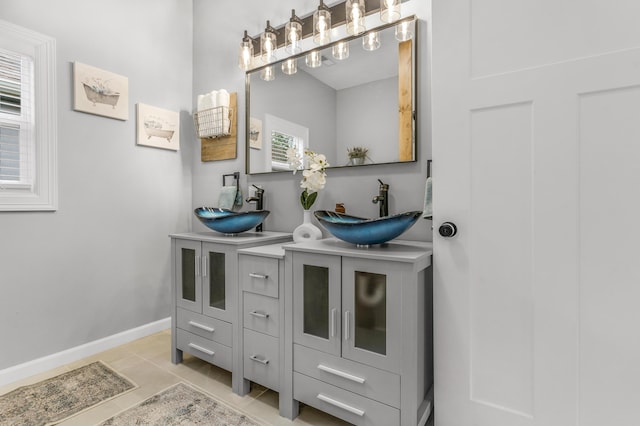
x,y
375,126
218,30
100,264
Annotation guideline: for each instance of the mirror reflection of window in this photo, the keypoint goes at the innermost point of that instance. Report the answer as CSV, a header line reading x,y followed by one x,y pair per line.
x,y
280,144
281,135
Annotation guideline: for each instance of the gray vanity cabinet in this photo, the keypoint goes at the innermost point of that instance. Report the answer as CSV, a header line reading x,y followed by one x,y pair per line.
x,y
206,321
348,307
202,285
361,332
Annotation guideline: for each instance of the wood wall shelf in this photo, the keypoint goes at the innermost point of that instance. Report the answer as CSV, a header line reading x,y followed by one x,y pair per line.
x,y
224,147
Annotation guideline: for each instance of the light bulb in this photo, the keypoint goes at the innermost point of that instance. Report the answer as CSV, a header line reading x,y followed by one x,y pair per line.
x,y
371,41
313,59
404,31
246,53
341,50
293,31
389,10
355,12
267,73
290,66
322,25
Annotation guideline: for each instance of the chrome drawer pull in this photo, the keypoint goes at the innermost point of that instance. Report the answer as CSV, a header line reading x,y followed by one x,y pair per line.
x,y
201,349
339,404
202,327
342,374
334,311
204,266
260,360
258,314
347,326
261,276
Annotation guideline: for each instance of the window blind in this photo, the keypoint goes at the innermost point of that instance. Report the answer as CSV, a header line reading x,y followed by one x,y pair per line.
x,y
16,119
280,143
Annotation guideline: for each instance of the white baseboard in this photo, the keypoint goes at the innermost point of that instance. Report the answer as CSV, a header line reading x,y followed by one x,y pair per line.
x,y
40,365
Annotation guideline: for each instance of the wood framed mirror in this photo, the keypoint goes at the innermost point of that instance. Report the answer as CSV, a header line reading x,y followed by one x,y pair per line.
x,y
367,101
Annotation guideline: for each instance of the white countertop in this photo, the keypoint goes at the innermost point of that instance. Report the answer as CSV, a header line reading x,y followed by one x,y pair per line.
x,y
396,250
237,239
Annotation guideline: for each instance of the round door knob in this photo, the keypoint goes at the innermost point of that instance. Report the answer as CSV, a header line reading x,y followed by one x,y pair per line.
x,y
448,229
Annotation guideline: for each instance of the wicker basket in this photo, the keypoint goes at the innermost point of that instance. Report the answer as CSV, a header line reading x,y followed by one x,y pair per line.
x,y
213,123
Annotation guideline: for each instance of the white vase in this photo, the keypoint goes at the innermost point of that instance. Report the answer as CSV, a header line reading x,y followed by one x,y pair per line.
x,y
307,231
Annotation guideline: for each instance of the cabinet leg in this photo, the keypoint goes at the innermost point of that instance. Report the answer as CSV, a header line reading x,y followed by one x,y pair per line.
x,y
176,356
240,385
289,408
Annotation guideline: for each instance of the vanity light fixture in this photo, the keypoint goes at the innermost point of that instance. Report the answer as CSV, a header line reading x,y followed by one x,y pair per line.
x,y
371,41
355,16
389,10
246,52
314,59
322,24
290,66
340,51
293,34
268,44
404,31
267,73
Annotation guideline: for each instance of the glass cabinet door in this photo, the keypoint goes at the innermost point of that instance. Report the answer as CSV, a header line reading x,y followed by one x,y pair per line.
x,y
316,307
372,312
187,269
218,276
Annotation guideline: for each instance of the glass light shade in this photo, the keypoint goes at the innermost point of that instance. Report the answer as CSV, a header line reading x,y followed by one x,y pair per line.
x,y
404,31
322,25
389,10
371,41
245,55
355,16
290,66
313,59
341,50
268,44
267,73
293,35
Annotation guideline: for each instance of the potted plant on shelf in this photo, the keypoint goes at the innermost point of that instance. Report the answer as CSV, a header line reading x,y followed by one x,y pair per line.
x,y
357,155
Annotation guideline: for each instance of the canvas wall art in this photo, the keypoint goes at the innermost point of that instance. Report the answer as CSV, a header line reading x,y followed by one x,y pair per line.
x,y
255,133
157,127
100,92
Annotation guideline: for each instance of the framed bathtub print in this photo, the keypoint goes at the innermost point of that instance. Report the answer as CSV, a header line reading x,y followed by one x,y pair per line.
x,y
157,127
100,92
255,133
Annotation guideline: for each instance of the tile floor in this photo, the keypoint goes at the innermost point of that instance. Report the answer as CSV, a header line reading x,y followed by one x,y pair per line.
x,y
147,362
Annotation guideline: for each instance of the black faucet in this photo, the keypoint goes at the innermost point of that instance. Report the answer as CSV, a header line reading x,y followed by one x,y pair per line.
x,y
258,198
382,198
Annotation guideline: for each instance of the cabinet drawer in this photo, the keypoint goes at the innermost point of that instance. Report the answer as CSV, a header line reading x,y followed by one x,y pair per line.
x,y
204,326
261,313
343,404
259,275
261,359
210,351
355,377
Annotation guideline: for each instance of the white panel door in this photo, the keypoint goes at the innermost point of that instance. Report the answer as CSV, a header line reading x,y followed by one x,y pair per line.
x,y
536,148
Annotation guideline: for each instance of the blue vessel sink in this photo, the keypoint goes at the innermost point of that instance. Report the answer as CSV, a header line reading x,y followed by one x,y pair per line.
x,y
365,232
230,222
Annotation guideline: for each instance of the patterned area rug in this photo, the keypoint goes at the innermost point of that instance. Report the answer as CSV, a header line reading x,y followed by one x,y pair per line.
x,y
181,405
58,398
